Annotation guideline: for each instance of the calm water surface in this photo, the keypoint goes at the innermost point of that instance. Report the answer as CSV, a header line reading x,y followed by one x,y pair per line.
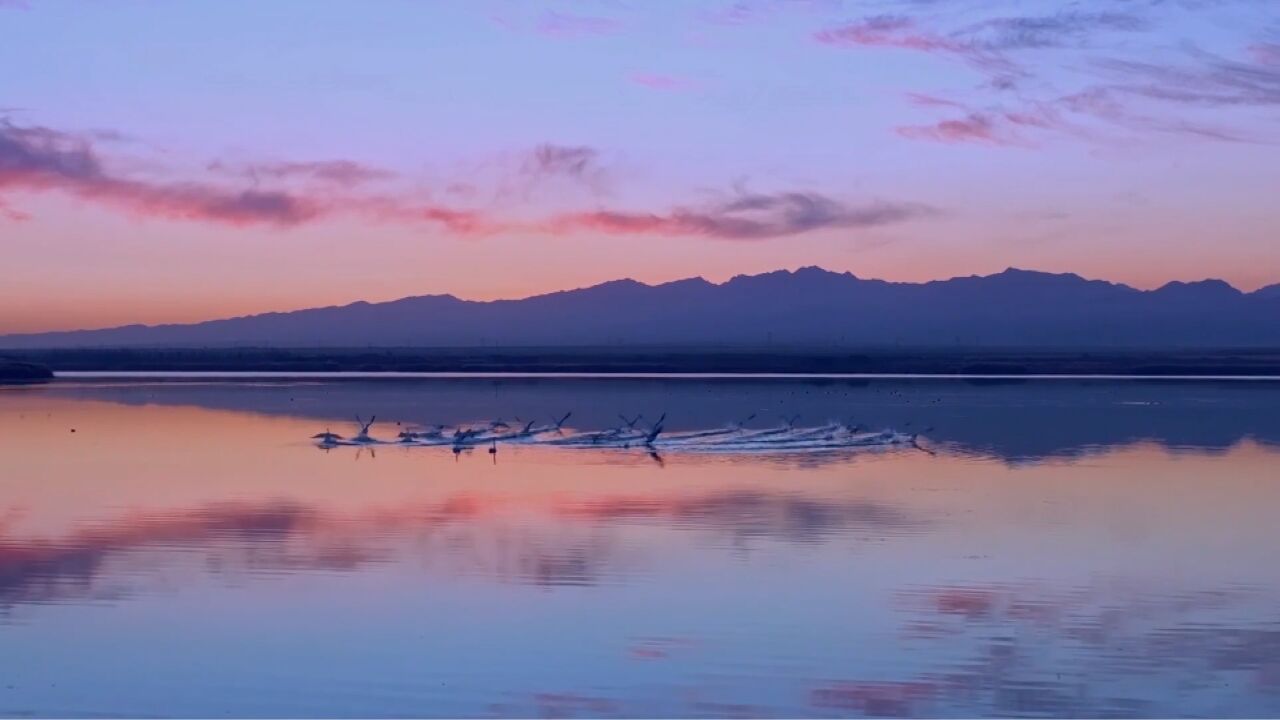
x,y
1068,548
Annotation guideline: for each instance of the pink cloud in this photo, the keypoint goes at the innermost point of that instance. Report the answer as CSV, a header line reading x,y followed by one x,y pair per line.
x,y
743,217
340,172
575,161
559,24
925,100
457,221
662,82
36,159
899,32
742,12
889,31
990,127
12,214
976,127
1030,119
1265,53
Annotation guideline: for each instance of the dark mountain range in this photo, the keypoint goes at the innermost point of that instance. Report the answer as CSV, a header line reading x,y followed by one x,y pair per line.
x,y
809,307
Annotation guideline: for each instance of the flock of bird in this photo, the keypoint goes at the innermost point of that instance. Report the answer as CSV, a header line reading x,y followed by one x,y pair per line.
x,y
634,433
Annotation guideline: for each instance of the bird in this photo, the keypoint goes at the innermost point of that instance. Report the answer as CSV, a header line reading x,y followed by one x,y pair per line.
x,y
326,437
363,435
653,434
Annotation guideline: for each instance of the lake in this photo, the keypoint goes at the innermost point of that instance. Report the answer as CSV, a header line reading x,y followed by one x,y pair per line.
x,y
182,547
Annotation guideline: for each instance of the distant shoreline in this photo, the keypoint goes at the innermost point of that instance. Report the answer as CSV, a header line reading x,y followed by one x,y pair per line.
x,y
177,376
23,373
979,363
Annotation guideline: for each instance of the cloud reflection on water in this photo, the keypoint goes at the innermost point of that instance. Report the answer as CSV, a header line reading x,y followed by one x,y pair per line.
x,y
1111,649
1135,582
478,535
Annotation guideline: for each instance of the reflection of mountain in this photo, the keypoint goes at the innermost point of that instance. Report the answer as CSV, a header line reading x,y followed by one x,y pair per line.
x,y
1023,421
463,534
1015,308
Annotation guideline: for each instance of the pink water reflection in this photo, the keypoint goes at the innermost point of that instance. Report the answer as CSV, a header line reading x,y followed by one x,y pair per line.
x,y
1132,581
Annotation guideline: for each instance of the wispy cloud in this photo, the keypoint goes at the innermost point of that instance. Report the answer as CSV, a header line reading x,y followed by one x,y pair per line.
x,y
346,173
742,217
746,216
548,168
12,214
1026,123
741,12
1061,29
560,24
994,34
37,158
462,222
1146,93
927,100
896,31
575,161
1265,53
905,33
975,127
1103,103
1201,78
985,44
655,81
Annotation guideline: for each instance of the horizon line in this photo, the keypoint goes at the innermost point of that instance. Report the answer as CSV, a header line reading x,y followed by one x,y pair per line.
x,y
692,278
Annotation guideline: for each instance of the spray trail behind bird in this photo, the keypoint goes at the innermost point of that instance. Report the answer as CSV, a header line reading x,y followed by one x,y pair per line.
x,y
632,434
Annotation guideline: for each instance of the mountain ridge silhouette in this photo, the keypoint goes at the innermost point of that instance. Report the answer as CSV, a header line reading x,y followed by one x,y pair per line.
x,y
809,306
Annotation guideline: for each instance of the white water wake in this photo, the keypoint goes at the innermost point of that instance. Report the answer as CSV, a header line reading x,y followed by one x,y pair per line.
x,y
729,439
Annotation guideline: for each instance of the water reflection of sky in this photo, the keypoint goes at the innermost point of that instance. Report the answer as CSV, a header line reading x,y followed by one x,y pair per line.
x,y
167,558
1019,421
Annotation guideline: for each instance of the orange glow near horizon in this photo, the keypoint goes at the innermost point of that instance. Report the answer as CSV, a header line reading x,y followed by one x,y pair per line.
x,y
152,278
163,193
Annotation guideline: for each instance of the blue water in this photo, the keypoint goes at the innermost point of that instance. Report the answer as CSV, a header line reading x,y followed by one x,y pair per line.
x,y
1066,548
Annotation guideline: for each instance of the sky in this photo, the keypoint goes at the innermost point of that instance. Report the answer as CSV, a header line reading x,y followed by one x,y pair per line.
x,y
171,162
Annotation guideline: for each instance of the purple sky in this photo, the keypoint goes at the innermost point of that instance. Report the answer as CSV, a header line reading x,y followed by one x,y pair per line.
x,y
168,161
